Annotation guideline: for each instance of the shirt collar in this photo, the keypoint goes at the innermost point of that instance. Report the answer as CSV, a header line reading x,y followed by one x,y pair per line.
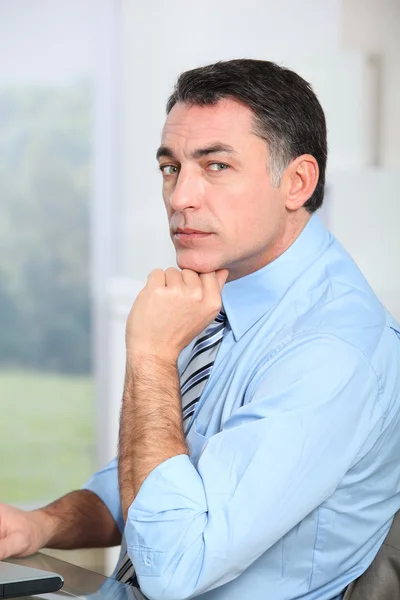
x,y
247,299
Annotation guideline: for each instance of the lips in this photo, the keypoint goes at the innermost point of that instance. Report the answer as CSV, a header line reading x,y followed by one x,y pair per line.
x,y
188,236
188,231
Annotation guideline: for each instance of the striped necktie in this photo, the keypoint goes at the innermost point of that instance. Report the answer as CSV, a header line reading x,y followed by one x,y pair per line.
x,y
192,380
197,371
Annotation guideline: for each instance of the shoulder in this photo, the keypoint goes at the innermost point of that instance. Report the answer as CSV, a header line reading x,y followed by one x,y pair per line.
x,y
339,302
338,334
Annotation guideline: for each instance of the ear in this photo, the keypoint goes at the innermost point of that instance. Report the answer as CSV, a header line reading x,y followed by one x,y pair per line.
x,y
301,177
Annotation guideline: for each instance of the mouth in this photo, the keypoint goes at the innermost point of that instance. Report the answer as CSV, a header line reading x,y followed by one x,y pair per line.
x,y
190,234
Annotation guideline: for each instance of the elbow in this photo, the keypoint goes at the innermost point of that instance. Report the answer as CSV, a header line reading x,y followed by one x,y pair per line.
x,y
165,588
168,576
160,588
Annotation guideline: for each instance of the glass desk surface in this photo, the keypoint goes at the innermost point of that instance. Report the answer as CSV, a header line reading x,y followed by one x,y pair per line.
x,y
78,582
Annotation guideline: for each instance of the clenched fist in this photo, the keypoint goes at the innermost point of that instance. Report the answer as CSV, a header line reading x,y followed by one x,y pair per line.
x,y
21,532
172,309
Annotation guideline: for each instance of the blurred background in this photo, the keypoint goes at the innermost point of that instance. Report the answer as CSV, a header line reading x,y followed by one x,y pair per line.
x,y
83,86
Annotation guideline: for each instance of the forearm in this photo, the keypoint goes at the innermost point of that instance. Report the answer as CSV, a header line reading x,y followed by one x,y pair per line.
x,y
151,422
78,520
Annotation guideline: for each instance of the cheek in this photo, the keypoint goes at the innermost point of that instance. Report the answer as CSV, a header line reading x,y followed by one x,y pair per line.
x,y
167,204
254,214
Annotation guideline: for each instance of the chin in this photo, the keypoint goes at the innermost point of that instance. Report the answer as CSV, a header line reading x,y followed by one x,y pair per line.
x,y
197,264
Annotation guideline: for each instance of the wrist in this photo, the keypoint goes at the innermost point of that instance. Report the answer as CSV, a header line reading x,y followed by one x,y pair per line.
x,y
46,526
136,357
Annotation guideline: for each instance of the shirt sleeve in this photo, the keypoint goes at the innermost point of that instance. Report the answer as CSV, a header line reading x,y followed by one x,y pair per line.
x,y
104,484
306,420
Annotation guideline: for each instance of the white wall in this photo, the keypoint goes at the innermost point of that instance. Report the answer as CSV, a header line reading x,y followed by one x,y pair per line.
x,y
365,205
364,214
373,26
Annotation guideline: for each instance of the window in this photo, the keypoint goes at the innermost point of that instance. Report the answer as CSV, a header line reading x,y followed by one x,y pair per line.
x,y
46,153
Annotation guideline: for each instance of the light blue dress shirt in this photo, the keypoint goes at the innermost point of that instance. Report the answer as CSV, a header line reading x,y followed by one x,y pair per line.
x,y
294,469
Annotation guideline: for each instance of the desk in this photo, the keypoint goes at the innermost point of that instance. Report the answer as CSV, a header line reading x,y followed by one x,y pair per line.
x,y
78,582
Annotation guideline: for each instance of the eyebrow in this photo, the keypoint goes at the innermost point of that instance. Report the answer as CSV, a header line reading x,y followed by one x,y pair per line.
x,y
199,153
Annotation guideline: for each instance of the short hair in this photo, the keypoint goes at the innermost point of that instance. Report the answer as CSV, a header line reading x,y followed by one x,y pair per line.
x,y
287,113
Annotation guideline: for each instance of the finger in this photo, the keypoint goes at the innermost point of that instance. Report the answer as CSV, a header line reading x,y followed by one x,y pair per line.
x,y
10,546
211,290
215,281
222,276
191,278
156,279
173,278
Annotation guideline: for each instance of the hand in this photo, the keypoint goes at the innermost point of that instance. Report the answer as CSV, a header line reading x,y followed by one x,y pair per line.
x,y
172,309
21,532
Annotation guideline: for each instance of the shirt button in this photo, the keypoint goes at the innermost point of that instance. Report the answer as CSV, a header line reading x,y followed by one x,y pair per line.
x,y
147,561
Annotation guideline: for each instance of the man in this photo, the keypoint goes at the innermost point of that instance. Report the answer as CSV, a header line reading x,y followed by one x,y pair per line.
x,y
259,444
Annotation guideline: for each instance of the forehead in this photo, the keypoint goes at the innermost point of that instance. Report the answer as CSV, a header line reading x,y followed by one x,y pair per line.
x,y
227,121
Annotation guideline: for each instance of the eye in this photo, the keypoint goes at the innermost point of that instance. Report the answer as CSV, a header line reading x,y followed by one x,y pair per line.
x,y
217,166
168,169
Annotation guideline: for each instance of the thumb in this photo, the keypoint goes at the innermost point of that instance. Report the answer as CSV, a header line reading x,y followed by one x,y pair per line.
x,y
222,276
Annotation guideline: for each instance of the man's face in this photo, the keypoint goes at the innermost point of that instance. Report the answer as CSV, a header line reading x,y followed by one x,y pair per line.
x,y
223,211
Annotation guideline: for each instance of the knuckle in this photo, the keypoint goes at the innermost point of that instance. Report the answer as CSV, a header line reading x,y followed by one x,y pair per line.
x,y
197,294
174,292
159,292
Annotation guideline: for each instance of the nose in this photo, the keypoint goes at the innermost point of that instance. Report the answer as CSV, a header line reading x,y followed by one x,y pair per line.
x,y
187,193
